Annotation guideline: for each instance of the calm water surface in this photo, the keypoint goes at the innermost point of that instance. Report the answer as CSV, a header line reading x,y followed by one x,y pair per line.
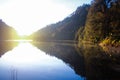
x,y
57,61
27,62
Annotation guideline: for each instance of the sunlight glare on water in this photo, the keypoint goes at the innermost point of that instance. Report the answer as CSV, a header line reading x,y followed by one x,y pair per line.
x,y
25,53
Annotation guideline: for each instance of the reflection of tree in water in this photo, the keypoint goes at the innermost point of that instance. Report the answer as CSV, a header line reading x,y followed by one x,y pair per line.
x,y
99,65
6,46
66,53
95,64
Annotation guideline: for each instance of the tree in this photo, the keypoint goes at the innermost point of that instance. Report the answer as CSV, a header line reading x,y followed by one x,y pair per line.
x,y
97,27
114,17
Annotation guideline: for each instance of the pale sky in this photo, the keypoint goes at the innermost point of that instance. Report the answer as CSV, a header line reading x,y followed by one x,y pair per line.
x,y
27,16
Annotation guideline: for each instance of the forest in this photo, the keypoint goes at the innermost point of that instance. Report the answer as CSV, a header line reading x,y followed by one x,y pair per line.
x,y
103,22
98,22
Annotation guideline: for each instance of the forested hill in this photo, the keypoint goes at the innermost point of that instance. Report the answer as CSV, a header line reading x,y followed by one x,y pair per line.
x,y
66,29
96,22
7,32
103,21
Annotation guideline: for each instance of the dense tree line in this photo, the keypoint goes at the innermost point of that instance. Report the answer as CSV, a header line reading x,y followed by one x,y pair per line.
x,y
103,20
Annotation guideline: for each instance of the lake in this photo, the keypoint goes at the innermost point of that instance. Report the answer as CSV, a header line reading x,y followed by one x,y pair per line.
x,y
56,61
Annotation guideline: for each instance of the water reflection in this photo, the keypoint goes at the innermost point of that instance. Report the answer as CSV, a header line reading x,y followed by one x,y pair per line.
x,y
65,52
89,60
26,62
6,46
58,61
99,64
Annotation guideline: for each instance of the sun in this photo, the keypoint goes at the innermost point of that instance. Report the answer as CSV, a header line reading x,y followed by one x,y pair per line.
x,y
28,16
25,31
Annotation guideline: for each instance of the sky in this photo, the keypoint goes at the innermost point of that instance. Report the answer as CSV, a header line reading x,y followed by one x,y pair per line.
x,y
28,16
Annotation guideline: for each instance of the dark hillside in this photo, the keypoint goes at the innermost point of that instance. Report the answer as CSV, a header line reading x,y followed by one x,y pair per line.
x,y
66,29
7,32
